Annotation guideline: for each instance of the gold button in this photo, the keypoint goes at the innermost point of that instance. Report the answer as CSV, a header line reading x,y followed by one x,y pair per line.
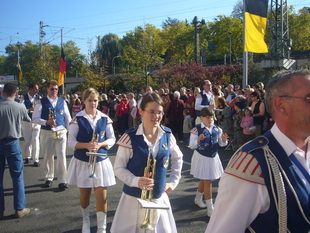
x,y
260,141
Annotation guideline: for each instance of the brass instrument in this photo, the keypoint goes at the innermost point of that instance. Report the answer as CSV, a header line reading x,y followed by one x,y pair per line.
x,y
93,157
147,195
52,115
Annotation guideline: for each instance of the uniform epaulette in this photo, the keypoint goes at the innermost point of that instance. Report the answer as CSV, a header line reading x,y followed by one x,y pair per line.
x,y
131,130
255,144
125,141
166,129
194,131
244,166
109,120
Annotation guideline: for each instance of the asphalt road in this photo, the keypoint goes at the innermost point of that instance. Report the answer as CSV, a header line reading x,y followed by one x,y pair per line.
x,y
54,211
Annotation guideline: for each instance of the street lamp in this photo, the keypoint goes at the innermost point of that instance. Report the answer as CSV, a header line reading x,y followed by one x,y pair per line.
x,y
113,65
229,47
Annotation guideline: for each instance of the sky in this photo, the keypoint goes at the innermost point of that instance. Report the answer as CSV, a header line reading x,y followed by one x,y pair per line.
x,y
84,20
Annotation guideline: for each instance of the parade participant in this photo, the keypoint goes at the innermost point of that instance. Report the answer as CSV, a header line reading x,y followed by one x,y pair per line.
x,y
206,165
88,122
265,187
11,116
204,99
52,113
148,140
31,131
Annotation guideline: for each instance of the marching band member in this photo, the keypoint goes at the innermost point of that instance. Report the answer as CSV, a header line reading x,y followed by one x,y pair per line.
x,y
52,112
265,187
31,131
135,146
88,122
206,165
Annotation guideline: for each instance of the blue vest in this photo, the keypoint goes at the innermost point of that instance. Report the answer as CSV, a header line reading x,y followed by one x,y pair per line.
x,y
205,101
85,134
208,147
268,221
138,162
28,103
59,111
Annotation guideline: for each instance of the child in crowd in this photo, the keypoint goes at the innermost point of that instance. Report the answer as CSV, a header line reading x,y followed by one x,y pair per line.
x,y
206,165
77,107
187,126
247,123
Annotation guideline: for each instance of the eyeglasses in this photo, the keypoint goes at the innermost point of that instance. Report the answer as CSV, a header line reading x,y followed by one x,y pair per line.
x,y
54,89
307,98
153,113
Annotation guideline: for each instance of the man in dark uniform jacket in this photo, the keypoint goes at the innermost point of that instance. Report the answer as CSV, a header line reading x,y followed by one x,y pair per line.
x,y
265,187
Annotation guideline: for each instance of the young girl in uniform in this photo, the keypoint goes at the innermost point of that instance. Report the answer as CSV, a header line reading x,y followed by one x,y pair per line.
x,y
149,139
88,122
206,165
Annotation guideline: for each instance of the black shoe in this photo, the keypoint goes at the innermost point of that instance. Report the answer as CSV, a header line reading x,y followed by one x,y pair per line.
x,y
47,184
36,164
26,160
63,186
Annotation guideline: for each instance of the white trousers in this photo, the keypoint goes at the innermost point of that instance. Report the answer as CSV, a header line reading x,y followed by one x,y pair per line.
x,y
31,133
50,148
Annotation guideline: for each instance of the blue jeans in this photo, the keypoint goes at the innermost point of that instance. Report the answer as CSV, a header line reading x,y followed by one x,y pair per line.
x,y
186,137
10,150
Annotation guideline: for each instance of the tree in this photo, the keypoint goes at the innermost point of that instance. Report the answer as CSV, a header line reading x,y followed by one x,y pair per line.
x,y
238,10
299,30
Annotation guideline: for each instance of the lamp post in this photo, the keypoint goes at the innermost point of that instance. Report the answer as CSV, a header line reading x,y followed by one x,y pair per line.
x,y
229,47
113,65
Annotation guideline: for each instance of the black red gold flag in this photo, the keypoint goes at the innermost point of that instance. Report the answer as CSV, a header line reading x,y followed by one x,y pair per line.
x,y
255,14
62,68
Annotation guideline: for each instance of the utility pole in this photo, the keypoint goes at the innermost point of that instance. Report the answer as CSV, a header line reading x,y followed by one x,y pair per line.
x,y
42,37
196,37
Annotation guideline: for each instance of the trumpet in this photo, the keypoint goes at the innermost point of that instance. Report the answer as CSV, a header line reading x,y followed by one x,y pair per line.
x,y
52,115
147,195
93,157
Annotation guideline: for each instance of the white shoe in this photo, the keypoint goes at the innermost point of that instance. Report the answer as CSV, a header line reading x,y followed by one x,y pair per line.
x,y
198,200
86,220
101,222
210,207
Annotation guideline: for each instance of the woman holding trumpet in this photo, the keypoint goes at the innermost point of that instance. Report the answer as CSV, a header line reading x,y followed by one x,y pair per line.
x,y
148,142
91,131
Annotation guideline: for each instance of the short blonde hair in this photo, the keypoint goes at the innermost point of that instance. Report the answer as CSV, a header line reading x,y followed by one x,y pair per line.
x,y
90,92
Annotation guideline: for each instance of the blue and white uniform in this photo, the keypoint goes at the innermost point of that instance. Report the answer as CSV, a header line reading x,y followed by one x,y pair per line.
x,y
51,147
206,163
131,159
81,130
31,131
252,205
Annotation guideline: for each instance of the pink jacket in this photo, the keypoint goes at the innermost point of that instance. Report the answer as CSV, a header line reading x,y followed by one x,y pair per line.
x,y
246,122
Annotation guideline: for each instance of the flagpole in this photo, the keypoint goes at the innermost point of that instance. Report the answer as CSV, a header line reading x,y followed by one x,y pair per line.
x,y
63,85
245,54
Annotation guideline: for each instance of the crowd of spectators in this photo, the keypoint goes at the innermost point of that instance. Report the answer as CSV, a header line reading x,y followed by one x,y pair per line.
x,y
241,113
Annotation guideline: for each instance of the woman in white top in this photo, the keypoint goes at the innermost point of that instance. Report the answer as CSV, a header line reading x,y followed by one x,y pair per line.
x,y
91,131
206,165
136,146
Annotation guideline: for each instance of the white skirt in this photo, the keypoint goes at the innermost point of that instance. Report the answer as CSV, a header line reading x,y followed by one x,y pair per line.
x,y
129,214
206,168
79,172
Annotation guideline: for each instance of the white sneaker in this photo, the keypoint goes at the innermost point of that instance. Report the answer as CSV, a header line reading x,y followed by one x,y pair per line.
x,y
200,203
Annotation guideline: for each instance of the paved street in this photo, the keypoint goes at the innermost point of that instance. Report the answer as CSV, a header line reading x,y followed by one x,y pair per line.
x,y
54,211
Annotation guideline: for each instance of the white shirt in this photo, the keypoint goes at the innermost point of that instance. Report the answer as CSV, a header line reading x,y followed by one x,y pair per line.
x,y
74,129
124,154
239,202
198,101
36,116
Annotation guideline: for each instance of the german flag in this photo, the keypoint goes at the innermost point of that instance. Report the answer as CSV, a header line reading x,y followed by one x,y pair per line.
x,y
255,13
62,68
